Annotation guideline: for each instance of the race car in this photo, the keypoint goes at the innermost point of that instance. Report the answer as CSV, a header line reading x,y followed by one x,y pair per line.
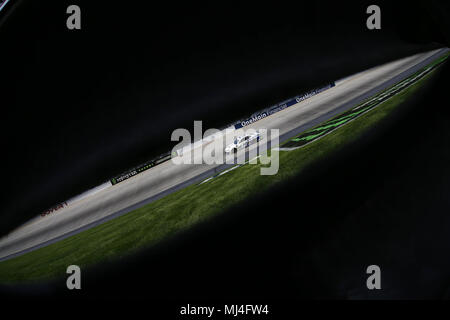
x,y
242,142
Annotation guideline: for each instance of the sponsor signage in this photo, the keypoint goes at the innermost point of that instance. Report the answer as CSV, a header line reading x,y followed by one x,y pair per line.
x,y
54,208
141,168
282,105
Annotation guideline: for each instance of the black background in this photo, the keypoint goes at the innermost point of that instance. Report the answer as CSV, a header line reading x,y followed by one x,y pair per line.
x,y
81,106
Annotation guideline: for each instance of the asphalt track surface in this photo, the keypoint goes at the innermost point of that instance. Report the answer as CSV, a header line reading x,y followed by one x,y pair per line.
x,y
168,177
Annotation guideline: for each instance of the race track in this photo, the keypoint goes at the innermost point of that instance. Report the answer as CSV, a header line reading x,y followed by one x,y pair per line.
x,y
167,177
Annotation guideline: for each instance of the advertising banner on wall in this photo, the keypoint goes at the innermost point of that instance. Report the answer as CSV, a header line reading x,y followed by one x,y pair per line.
x,y
145,166
280,106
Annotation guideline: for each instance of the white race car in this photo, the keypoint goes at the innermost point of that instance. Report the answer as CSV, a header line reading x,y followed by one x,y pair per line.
x,y
242,142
